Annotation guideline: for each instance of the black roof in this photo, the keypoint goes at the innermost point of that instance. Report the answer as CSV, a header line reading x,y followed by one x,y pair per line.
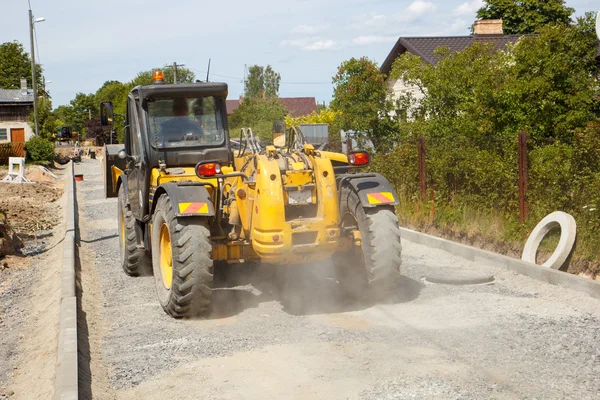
x,y
425,47
198,89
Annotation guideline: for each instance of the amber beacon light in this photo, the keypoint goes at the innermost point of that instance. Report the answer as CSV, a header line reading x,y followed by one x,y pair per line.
x,y
158,77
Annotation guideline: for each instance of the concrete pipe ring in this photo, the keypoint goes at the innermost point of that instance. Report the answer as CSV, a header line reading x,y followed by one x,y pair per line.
x,y
568,229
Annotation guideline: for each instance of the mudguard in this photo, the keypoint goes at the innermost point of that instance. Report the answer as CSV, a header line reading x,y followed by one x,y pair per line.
x,y
188,199
121,180
372,188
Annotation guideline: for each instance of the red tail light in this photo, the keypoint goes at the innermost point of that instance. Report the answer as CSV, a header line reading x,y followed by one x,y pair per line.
x,y
204,169
358,158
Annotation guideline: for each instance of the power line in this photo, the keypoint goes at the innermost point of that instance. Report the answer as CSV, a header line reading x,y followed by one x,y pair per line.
x,y
281,83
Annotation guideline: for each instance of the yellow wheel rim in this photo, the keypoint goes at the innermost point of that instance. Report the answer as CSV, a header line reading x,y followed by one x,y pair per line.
x,y
166,256
122,230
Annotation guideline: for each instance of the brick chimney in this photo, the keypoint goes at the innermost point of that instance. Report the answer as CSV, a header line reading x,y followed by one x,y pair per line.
x,y
488,27
23,86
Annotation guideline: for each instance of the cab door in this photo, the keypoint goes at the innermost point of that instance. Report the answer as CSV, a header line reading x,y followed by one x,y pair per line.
x,y
135,186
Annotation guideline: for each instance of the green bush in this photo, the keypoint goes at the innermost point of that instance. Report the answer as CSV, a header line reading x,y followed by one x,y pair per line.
x,y
39,149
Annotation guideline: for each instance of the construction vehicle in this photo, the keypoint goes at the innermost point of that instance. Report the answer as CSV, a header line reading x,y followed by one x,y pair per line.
x,y
196,199
65,134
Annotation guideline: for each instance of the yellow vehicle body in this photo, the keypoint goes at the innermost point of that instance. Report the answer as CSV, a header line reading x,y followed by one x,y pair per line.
x,y
281,226
273,226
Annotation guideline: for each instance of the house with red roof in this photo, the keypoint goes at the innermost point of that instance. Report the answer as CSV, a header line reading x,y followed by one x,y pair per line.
x,y
296,106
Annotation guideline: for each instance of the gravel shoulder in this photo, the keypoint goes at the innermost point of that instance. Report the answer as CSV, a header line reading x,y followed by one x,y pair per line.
x,y
287,333
30,293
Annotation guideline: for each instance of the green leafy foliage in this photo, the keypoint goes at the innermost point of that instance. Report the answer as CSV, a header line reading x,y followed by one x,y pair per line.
x,y
470,108
184,75
115,92
39,149
360,97
14,65
526,16
261,82
257,114
47,121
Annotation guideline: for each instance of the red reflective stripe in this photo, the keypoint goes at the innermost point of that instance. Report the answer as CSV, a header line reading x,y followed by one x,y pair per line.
x,y
381,197
193,208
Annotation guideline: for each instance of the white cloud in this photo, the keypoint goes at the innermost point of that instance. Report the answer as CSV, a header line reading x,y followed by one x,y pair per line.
x,y
370,19
373,39
307,29
293,43
420,7
387,24
319,45
468,8
310,45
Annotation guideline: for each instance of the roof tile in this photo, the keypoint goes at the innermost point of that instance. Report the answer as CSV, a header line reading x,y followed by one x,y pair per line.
x,y
296,106
15,96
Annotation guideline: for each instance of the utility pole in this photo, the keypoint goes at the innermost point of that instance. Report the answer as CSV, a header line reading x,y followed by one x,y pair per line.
x,y
33,73
208,70
175,65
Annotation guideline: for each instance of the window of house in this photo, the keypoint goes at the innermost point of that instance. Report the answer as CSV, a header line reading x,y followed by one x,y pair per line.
x,y
3,134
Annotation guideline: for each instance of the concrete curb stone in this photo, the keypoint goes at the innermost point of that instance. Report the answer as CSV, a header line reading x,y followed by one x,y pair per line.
x,y
543,274
66,387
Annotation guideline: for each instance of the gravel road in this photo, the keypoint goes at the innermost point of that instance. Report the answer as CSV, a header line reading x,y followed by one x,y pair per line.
x,y
285,333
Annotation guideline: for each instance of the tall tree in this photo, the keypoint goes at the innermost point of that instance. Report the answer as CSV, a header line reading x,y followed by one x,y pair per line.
x,y
360,96
261,82
82,108
257,114
14,65
525,16
115,92
47,121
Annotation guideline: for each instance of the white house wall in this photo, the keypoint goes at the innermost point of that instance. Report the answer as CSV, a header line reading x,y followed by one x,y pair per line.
x,y
400,88
8,125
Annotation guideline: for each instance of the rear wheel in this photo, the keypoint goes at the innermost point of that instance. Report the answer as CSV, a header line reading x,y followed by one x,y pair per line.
x,y
181,261
375,264
130,253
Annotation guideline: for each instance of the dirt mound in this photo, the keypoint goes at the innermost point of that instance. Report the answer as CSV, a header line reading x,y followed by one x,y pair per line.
x,y
10,243
29,208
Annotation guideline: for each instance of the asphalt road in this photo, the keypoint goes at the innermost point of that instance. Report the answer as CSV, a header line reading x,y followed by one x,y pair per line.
x,y
286,333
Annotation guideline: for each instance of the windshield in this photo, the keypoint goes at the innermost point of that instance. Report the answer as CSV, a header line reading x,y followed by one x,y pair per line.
x,y
185,122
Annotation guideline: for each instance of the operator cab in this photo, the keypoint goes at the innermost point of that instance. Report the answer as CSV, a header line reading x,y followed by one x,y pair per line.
x,y
185,122
175,125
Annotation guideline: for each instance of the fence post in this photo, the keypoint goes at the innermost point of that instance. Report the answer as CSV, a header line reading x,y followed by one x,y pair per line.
x,y
422,183
522,176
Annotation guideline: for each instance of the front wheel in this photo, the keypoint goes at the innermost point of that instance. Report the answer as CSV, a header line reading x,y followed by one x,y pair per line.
x,y
130,253
181,261
375,264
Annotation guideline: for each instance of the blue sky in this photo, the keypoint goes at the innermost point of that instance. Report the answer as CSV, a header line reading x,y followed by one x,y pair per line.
x,y
84,43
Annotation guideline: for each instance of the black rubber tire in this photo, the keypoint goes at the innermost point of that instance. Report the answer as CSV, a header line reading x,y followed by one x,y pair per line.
x,y
375,266
190,293
130,253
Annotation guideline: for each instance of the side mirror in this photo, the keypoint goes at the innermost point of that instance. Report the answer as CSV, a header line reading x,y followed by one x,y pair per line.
x,y
107,114
121,154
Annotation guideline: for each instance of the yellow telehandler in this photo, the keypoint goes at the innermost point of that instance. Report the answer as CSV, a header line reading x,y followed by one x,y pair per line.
x,y
196,199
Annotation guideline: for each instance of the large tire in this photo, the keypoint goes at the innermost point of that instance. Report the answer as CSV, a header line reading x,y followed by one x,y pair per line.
x,y
130,253
181,261
374,266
